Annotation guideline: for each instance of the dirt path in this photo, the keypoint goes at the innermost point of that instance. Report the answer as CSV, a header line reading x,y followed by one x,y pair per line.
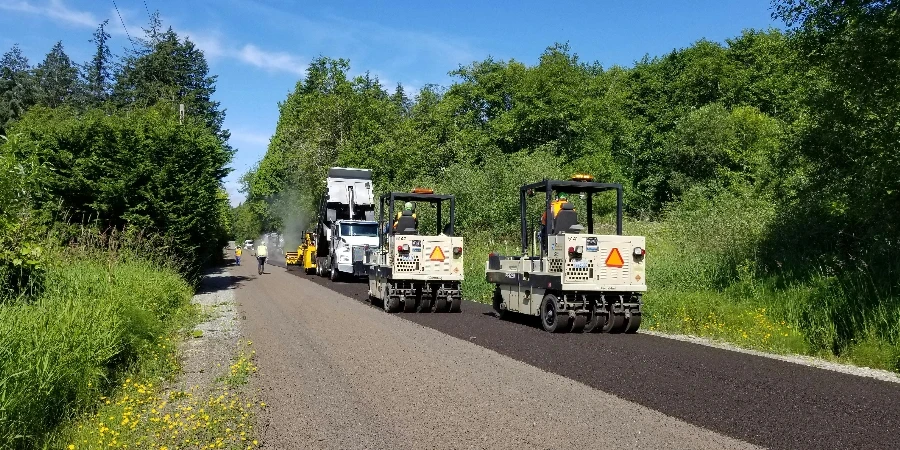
x,y
337,374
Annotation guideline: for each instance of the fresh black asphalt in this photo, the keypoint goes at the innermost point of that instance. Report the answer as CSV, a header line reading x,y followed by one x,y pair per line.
x,y
760,400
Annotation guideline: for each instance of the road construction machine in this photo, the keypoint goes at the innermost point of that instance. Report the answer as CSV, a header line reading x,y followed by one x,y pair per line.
x,y
291,258
414,271
572,280
346,224
307,253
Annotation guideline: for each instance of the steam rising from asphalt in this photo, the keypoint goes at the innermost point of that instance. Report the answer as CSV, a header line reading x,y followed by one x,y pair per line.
x,y
293,208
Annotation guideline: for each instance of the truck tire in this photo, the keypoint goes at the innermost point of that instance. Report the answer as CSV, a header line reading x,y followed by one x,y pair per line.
x,y
334,275
456,304
551,319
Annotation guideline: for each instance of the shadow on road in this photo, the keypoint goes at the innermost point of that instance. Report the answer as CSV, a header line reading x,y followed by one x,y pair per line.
x,y
216,279
520,319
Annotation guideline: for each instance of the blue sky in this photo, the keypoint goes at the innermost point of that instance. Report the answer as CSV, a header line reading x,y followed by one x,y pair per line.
x,y
259,49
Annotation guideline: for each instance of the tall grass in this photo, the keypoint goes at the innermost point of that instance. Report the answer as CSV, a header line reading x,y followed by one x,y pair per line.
x,y
101,311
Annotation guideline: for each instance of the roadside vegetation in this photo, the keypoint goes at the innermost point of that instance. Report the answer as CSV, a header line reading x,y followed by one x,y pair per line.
x,y
762,170
111,209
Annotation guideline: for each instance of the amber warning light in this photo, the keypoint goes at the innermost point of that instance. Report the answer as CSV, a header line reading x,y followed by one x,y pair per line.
x,y
582,177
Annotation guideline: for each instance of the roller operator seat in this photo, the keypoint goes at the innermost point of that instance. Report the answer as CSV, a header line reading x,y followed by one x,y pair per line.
x,y
565,219
406,224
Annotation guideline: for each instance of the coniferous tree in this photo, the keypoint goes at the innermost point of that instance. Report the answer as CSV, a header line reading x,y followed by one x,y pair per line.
x,y
17,91
98,72
57,78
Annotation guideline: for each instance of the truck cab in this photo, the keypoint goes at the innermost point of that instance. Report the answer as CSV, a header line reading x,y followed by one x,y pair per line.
x,y
349,240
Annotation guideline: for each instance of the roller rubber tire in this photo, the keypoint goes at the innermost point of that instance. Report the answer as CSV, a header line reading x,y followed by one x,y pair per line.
x,y
578,324
634,322
551,320
596,322
618,324
613,323
498,300
391,304
409,304
456,305
424,303
440,304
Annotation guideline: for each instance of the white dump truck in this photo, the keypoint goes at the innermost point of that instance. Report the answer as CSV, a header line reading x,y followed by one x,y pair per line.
x,y
346,226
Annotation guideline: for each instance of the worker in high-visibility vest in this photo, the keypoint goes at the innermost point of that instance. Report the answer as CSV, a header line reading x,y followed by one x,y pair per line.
x,y
237,254
406,207
555,206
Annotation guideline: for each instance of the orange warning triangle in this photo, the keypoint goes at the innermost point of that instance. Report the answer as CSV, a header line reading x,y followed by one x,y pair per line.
x,y
615,258
440,254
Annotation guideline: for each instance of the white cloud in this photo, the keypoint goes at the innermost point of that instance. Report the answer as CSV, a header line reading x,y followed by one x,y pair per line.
x,y
54,9
210,43
272,61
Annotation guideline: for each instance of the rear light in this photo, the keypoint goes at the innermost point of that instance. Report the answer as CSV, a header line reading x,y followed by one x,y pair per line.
x,y
403,248
638,252
457,251
571,250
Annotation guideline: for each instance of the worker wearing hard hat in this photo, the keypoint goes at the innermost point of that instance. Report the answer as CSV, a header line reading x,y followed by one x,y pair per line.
x,y
406,207
555,206
561,199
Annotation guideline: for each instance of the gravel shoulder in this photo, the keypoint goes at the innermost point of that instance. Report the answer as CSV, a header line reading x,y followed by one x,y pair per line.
x,y
337,374
209,352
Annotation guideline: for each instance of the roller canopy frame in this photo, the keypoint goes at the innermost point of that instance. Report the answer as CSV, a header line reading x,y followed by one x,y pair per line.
x,y
569,187
437,199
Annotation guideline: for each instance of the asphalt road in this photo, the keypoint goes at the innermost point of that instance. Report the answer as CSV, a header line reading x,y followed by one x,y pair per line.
x,y
641,386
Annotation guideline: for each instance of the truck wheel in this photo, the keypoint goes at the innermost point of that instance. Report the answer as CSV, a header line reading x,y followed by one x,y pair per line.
x,y
634,322
335,275
551,319
498,300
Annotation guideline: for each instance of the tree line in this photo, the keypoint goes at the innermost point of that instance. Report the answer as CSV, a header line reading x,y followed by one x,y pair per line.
x,y
101,144
796,129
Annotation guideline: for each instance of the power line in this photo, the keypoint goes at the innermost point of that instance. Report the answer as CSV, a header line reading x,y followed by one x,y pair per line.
x,y
123,25
148,10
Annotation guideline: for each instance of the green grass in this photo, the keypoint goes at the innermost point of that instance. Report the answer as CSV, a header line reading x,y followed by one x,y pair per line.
x,y
99,319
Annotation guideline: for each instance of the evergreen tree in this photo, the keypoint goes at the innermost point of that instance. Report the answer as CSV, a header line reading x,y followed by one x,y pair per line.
x,y
57,78
98,73
17,91
170,70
